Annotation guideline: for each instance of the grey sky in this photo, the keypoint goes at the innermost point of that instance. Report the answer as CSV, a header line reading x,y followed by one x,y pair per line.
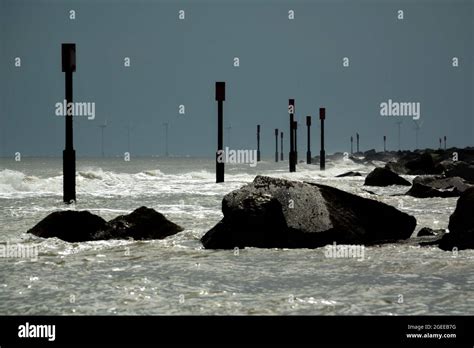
x,y
177,62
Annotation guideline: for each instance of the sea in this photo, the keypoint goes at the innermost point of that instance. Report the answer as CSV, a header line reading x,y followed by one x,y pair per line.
x,y
177,276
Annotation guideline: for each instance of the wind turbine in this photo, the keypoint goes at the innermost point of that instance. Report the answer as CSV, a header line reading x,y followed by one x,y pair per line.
x,y
417,129
399,123
129,128
102,128
228,129
166,124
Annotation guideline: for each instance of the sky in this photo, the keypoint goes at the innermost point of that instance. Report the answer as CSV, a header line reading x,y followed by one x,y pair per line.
x,y
177,62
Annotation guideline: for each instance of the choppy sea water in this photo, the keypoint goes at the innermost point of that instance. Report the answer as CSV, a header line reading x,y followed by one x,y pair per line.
x,y
177,276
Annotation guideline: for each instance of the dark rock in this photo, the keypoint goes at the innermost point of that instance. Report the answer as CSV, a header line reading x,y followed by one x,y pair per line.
x,y
257,221
426,231
384,177
69,225
396,167
142,223
81,226
460,169
380,156
428,237
422,165
348,174
356,159
277,213
414,163
461,224
437,186
370,152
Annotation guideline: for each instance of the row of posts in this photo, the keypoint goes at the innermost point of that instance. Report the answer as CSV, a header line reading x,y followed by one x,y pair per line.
x,y
385,143
68,58
293,155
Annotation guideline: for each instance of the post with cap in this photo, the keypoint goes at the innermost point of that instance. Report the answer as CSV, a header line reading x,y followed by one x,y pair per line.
x,y
281,146
384,143
322,155
220,97
68,55
308,152
291,157
258,143
276,145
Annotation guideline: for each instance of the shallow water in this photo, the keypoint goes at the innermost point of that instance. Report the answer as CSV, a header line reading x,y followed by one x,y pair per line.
x,y
177,276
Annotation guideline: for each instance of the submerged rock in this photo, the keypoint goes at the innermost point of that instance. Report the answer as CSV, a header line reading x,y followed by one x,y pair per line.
x,y
425,237
348,174
426,232
82,226
277,213
437,186
461,224
384,177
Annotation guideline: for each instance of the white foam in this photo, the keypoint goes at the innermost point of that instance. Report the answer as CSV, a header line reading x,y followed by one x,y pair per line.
x,y
102,183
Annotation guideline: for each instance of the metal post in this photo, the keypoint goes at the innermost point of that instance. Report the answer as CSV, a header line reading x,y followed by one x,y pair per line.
x,y
276,145
258,143
281,146
322,156
220,97
68,53
291,111
308,152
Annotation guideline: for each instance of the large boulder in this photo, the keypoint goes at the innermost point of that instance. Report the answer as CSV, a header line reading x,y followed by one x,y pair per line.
x,y
69,225
277,213
437,186
461,224
81,226
384,177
